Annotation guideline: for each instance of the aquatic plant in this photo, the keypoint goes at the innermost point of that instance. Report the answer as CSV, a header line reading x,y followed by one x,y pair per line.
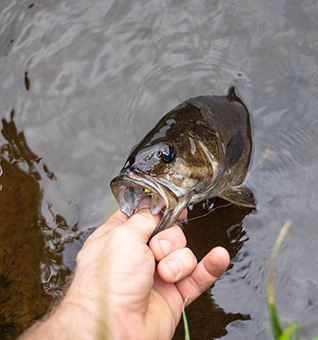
x,y
185,325
291,331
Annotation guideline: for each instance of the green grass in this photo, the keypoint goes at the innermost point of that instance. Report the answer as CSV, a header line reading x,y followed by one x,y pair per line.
x,y
185,325
290,331
280,332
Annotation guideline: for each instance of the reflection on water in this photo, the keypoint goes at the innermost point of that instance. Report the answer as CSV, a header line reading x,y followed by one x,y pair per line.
x,y
88,79
30,268
222,226
33,273
207,320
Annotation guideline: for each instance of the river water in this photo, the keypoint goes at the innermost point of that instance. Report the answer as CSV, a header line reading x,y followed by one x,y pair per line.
x,y
81,82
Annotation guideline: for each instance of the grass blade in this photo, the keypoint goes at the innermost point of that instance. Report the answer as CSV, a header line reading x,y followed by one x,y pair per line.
x,y
290,332
185,325
276,327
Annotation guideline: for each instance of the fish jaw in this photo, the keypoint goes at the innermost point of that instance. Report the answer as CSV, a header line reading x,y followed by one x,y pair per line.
x,y
170,216
130,188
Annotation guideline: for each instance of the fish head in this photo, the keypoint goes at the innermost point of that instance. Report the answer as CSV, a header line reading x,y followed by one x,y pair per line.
x,y
169,170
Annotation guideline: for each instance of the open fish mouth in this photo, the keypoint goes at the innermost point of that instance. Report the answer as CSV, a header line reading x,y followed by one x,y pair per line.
x,y
130,189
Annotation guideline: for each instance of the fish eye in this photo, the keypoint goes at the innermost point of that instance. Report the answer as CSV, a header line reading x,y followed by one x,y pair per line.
x,y
168,154
159,154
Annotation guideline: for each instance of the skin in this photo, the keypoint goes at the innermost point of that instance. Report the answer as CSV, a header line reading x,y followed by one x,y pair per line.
x,y
118,292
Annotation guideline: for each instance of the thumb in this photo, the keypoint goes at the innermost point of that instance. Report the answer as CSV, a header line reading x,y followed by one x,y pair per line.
x,y
143,223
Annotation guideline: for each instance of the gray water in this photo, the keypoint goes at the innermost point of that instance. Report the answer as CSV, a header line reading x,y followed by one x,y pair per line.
x,y
87,79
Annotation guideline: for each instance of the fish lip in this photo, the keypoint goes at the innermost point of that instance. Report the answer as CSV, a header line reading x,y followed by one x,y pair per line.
x,y
143,180
148,181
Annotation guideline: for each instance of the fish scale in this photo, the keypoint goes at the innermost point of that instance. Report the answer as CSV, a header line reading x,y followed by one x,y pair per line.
x,y
199,150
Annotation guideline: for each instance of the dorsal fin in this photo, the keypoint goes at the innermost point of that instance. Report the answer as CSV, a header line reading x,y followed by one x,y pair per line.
x,y
232,96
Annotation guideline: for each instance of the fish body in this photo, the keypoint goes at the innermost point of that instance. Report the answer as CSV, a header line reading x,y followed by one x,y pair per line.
x,y
199,150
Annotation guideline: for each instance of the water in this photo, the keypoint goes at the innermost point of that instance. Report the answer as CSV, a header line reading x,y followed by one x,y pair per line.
x,y
86,80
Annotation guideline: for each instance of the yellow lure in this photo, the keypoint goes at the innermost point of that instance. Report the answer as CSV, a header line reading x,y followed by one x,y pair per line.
x,y
146,190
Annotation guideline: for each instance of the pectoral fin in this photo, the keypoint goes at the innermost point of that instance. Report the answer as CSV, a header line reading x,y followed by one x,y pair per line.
x,y
239,195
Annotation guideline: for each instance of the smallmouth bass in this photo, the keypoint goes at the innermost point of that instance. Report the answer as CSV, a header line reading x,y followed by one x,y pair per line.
x,y
199,150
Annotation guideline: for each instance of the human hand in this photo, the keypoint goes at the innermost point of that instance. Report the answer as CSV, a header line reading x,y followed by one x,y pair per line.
x,y
118,291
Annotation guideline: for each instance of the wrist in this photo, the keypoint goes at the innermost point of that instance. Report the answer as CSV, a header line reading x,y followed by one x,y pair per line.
x,y
72,320
67,321
99,313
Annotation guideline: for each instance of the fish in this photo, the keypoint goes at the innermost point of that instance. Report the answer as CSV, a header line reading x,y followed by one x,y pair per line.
x,y
198,151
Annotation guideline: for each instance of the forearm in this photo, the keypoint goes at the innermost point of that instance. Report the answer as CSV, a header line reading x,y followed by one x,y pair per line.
x,y
72,321
67,321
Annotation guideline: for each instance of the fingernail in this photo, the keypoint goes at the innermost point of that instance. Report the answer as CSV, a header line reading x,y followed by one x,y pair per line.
x,y
165,246
173,267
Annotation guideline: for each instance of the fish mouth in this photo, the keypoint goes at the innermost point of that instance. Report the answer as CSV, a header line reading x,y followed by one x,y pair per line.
x,y
131,188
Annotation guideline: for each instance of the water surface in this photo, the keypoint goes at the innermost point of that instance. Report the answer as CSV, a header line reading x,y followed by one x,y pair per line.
x,y
82,82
